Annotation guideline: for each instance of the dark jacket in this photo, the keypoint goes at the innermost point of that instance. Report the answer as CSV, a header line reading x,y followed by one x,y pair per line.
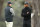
x,y
24,13
8,14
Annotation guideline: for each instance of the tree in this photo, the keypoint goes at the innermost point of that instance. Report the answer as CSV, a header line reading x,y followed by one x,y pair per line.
x,y
36,7
1,6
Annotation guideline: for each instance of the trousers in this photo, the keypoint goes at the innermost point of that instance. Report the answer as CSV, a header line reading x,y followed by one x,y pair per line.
x,y
27,23
9,24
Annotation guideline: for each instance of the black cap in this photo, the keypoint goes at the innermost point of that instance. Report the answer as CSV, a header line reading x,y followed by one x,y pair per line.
x,y
9,2
26,3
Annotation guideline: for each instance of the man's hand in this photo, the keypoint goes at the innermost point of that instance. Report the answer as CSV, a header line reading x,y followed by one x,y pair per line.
x,y
27,12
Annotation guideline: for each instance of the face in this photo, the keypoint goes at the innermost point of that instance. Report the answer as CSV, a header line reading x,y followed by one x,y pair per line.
x,y
10,4
25,5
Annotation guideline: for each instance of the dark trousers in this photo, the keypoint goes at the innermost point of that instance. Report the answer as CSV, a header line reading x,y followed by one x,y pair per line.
x,y
27,23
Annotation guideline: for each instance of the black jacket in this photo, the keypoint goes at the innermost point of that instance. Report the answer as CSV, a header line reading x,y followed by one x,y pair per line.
x,y
24,13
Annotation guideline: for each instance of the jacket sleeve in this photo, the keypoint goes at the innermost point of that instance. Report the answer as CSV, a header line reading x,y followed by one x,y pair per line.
x,y
23,13
12,11
30,11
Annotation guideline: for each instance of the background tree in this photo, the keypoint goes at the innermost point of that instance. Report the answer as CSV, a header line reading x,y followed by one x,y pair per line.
x,y
36,17
1,6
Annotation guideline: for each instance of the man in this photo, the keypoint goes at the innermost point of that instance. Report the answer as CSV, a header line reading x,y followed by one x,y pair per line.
x,y
9,13
26,13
